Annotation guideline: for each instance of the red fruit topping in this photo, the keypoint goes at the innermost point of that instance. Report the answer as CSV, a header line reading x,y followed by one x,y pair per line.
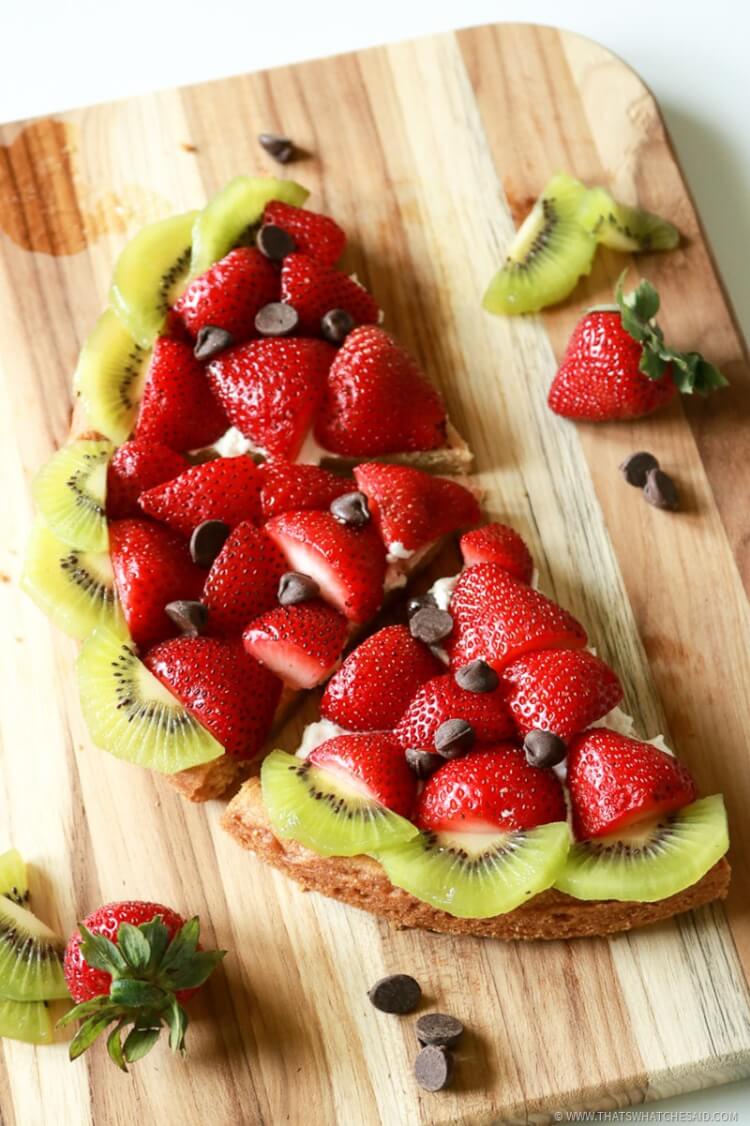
x,y
314,289
497,543
243,580
232,695
377,680
490,789
300,643
292,488
413,508
378,401
134,467
614,780
560,690
316,235
498,618
348,564
178,407
227,489
230,293
271,389
152,566
375,760
442,699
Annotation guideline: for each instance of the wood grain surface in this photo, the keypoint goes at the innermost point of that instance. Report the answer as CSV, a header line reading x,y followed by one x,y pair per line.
x,y
427,152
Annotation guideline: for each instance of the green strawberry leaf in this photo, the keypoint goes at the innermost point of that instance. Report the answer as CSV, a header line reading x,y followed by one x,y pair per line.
x,y
157,936
87,1034
177,1019
135,946
651,364
193,972
85,1009
101,954
139,1043
182,946
137,994
114,1045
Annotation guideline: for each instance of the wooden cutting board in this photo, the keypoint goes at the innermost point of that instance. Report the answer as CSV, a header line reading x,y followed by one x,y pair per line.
x,y
426,152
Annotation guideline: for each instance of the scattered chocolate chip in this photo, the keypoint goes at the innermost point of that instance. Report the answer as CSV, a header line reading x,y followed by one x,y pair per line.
x,y
661,491
544,749
453,738
280,148
188,146
210,341
423,763
433,1067
336,325
439,1029
189,617
398,993
635,468
274,242
207,541
295,587
418,603
276,319
477,676
430,624
200,457
351,509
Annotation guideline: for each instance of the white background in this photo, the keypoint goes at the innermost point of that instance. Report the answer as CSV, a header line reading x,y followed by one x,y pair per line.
x,y
694,55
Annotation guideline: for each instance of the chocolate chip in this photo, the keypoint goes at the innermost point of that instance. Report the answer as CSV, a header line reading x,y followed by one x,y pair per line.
x,y
210,341
280,148
200,457
423,763
635,468
430,624
336,325
544,749
189,617
433,1067
418,603
351,509
398,993
661,491
207,541
274,242
477,676
440,1029
453,738
295,587
276,319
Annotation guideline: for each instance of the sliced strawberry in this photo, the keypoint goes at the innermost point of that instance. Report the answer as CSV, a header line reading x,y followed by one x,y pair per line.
x,y
490,789
348,564
441,699
243,580
291,488
614,780
377,680
497,618
300,643
376,761
229,294
378,401
413,508
134,467
152,566
178,408
314,289
497,543
317,236
560,690
225,689
271,389
227,488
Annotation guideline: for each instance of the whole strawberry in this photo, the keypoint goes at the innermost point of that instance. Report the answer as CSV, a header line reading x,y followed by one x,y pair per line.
x,y
617,365
130,967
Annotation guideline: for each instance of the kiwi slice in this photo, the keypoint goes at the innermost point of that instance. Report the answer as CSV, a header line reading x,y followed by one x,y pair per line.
x,y
231,216
30,956
552,249
326,812
13,879
70,492
74,588
110,376
150,274
621,227
29,1021
478,875
651,859
132,715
